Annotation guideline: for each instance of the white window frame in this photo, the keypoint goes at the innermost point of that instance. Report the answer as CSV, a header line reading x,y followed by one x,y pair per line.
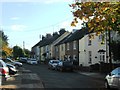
x,y
74,45
90,57
102,57
68,46
74,57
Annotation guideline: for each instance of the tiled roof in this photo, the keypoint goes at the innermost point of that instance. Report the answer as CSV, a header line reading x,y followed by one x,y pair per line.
x,y
62,41
47,41
78,34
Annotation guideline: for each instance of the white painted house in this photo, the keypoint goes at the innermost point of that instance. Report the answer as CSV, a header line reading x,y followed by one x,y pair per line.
x,y
92,51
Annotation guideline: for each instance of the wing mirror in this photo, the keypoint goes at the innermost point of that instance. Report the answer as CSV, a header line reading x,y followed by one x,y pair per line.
x,y
110,74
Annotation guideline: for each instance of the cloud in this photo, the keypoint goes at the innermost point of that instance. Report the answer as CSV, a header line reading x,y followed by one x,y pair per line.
x,y
67,25
18,27
14,18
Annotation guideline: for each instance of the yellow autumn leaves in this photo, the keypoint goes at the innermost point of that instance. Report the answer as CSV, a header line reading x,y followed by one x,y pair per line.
x,y
99,16
7,50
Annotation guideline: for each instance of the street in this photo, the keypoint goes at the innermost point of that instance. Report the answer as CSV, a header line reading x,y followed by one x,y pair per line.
x,y
56,79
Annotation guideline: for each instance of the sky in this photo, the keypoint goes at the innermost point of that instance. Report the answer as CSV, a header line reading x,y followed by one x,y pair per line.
x,y
27,20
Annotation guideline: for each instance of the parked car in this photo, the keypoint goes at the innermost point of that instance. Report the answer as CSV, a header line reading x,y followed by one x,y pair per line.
x,y
23,60
52,64
32,61
12,69
65,66
4,70
112,80
10,61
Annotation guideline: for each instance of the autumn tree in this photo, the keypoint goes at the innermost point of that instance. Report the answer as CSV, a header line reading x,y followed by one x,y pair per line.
x,y
5,50
100,16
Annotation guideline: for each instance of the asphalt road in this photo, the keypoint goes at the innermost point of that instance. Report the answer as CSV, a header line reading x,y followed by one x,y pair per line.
x,y
56,79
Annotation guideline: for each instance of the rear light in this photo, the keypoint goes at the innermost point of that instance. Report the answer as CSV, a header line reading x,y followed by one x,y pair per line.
x,y
3,71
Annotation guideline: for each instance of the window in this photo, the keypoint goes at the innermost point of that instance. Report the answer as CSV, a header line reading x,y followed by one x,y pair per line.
x,y
47,48
89,42
68,46
74,57
90,57
56,49
61,47
68,57
1,64
102,56
100,37
115,71
74,45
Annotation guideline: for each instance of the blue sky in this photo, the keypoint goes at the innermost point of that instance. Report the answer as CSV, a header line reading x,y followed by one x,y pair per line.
x,y
26,20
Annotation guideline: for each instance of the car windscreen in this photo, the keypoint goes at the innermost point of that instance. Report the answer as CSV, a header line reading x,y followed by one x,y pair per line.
x,y
55,61
118,71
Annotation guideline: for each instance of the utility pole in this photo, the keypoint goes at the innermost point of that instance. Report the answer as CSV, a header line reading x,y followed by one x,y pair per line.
x,y
24,47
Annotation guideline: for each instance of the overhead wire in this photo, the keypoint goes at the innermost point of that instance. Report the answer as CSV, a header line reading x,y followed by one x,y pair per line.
x,y
41,28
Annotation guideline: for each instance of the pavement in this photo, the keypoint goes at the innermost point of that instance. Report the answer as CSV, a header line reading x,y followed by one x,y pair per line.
x,y
26,79
96,75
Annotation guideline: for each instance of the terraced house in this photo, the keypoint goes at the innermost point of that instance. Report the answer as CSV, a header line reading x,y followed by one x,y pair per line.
x,y
76,46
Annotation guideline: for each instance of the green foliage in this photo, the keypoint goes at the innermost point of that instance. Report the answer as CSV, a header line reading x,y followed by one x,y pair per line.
x,y
17,52
4,38
27,53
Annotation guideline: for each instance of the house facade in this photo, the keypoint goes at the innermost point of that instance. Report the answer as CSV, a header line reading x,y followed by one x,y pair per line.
x,y
77,46
56,49
92,51
35,51
45,47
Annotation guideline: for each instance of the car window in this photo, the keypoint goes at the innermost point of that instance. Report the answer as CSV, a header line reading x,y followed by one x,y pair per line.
x,y
55,61
1,64
118,71
115,71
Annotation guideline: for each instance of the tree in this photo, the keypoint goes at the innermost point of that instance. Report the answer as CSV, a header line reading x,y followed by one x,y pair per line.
x,y
17,52
5,50
27,53
4,37
100,16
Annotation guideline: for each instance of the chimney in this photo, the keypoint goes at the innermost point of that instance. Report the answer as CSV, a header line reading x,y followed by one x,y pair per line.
x,y
48,35
74,30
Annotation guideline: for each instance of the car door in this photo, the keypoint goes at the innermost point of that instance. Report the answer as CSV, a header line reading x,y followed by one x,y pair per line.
x,y
119,78
114,78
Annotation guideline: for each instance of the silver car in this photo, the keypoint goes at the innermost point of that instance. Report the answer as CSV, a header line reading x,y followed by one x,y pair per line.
x,y
10,61
32,61
112,80
52,64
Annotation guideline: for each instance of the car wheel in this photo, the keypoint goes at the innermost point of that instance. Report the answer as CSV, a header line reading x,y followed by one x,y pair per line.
x,y
17,66
61,69
106,84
